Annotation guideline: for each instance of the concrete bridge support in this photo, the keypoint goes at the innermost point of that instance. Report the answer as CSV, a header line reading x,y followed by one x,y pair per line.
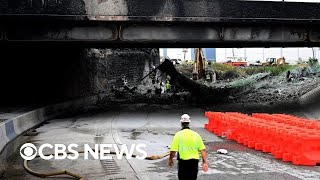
x,y
33,75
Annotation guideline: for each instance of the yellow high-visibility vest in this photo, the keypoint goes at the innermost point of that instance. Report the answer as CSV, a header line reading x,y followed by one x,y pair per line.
x,y
168,86
188,143
208,76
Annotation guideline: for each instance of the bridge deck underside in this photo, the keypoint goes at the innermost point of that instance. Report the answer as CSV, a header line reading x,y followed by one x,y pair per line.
x,y
170,23
162,34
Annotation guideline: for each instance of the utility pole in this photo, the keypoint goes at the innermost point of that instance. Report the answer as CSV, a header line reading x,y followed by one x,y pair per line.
x,y
185,50
233,54
245,54
225,54
313,53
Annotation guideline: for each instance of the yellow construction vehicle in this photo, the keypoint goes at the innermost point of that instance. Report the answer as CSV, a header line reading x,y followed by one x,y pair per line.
x,y
281,61
199,64
274,62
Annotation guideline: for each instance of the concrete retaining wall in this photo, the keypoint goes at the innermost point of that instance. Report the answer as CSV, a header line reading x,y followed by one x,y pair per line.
x,y
12,128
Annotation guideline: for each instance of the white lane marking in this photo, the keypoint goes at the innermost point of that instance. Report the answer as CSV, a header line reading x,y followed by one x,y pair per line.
x,y
114,130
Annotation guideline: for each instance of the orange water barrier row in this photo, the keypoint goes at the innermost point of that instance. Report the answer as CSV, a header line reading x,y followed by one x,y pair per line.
x,y
286,137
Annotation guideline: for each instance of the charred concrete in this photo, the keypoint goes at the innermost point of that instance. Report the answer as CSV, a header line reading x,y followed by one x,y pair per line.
x,y
42,75
132,23
217,10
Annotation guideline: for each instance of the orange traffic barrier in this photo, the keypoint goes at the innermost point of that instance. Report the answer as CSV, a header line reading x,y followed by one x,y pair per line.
x,y
286,137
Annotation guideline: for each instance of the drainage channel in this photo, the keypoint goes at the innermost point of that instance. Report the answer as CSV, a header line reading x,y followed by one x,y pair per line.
x,y
110,166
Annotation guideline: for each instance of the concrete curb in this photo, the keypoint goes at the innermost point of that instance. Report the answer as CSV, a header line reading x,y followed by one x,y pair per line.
x,y
310,97
310,103
13,127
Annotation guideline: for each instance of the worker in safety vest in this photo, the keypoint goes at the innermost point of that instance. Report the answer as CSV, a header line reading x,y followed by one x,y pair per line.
x,y
188,144
168,86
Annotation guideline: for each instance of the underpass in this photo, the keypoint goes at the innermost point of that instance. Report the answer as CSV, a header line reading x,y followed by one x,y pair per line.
x,y
153,125
67,50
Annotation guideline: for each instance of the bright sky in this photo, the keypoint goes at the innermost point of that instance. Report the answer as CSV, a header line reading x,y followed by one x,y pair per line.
x,y
252,54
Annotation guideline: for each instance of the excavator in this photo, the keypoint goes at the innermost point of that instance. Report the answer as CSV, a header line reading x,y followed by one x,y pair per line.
x,y
199,67
199,64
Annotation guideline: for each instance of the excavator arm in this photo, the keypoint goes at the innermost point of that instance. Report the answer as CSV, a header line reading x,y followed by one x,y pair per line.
x,y
199,64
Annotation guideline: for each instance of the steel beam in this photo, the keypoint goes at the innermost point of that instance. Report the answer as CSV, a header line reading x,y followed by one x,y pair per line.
x,y
162,34
41,32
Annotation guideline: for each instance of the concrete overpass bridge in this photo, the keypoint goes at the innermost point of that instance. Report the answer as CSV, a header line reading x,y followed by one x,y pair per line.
x,y
163,23
56,37
39,67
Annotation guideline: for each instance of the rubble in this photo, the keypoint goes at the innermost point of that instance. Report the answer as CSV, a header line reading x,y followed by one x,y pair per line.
x,y
283,88
269,88
258,88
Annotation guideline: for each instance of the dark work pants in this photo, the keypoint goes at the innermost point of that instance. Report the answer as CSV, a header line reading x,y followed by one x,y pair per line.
x,y
188,169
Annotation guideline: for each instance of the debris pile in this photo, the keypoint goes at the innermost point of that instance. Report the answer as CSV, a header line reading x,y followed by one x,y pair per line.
x,y
280,84
171,87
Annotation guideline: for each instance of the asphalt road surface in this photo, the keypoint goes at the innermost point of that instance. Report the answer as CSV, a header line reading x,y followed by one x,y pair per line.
x,y
155,127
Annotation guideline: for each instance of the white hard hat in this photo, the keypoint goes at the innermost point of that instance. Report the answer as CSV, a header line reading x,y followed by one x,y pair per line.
x,y
185,118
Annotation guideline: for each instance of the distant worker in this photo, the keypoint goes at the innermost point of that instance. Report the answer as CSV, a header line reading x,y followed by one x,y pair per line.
x,y
210,76
168,86
162,86
188,144
153,75
214,77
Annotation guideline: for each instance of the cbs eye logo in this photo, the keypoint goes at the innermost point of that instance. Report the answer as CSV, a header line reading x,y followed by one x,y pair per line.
x,y
28,151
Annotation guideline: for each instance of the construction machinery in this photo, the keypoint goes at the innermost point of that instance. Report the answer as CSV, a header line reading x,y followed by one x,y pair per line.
x,y
236,63
199,64
233,61
256,63
274,62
